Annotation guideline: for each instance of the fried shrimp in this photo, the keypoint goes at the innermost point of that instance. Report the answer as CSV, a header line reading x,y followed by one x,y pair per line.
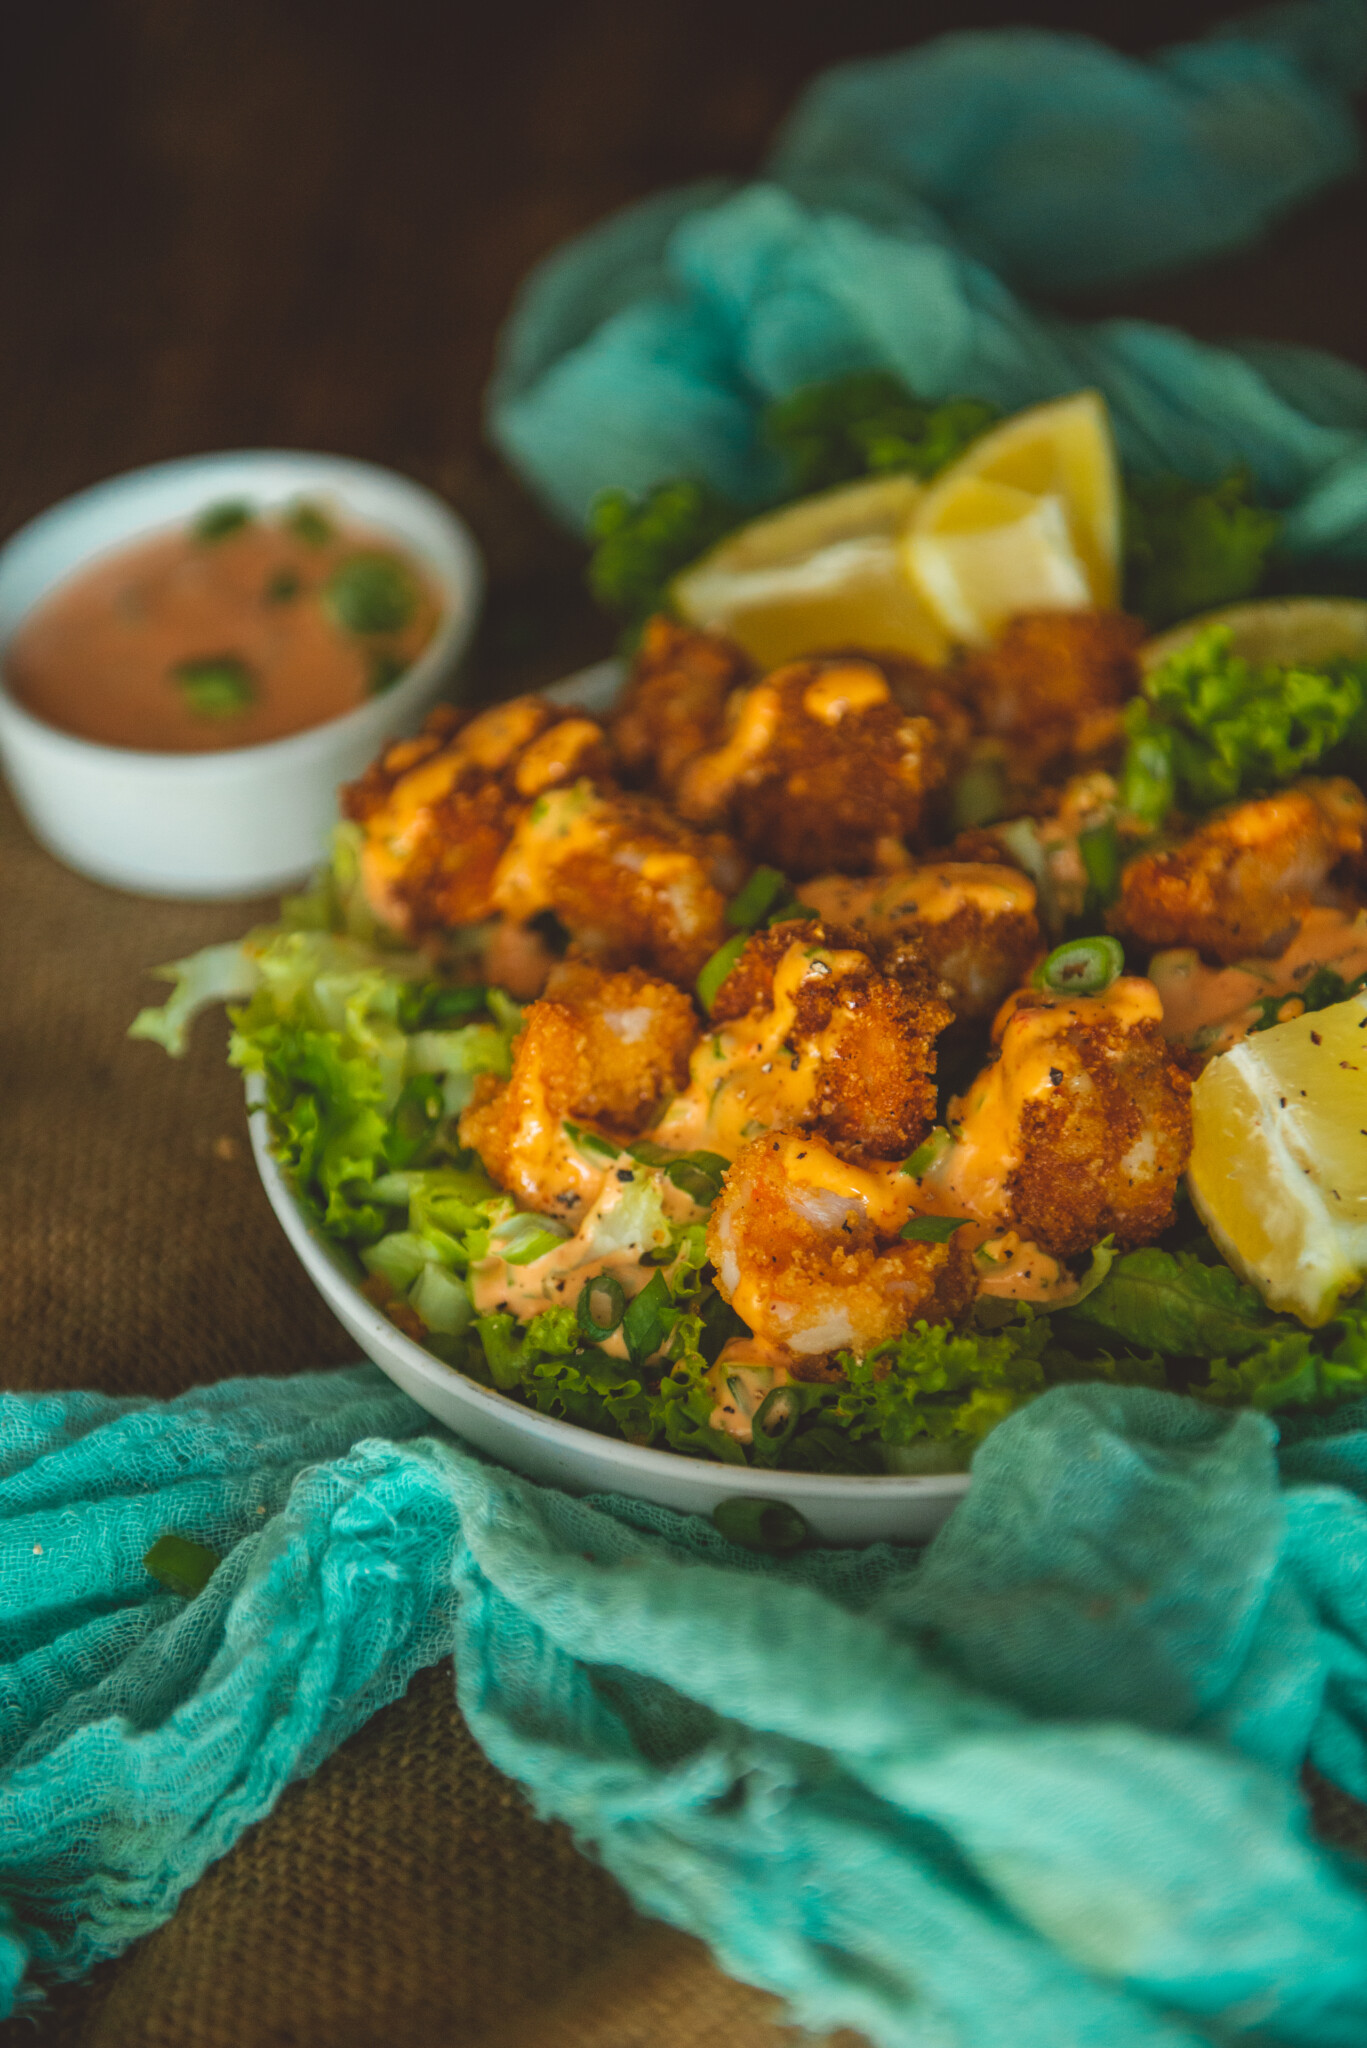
x,y
1053,686
602,1047
807,1253
625,879
438,811
820,769
810,1034
1241,883
675,701
1081,1126
972,923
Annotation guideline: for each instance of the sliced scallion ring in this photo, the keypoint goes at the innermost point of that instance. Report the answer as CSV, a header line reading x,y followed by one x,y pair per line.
x,y
600,1307
1082,967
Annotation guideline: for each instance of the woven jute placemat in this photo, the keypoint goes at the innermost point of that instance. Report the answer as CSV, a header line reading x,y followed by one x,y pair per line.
x,y
405,1894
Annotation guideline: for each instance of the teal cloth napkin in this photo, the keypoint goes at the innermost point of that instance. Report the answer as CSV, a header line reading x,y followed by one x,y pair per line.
x,y
902,196
1037,1785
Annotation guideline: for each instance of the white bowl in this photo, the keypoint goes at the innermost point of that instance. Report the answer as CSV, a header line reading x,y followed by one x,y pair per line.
x,y
836,1509
250,819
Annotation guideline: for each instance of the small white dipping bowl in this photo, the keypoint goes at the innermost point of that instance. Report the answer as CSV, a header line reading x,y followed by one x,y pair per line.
x,y
246,820
836,1508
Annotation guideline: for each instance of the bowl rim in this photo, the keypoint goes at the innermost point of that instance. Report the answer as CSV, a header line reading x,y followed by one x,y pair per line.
x,y
461,594
322,1261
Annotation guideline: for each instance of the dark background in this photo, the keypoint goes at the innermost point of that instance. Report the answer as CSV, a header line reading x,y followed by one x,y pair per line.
x,y
231,222
300,222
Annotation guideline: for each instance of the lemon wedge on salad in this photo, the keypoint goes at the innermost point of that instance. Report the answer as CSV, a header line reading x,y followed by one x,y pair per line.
x,y
1027,519
825,573
1288,632
1278,1166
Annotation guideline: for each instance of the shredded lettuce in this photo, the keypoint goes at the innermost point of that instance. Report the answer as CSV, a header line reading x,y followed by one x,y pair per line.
x,y
218,974
1208,726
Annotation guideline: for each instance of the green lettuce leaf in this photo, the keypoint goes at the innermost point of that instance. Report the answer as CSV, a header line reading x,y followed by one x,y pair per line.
x,y
1171,1303
1190,547
217,974
864,424
1209,726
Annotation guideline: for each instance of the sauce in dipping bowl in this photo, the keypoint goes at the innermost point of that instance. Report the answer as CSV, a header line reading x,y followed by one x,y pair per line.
x,y
193,657
236,628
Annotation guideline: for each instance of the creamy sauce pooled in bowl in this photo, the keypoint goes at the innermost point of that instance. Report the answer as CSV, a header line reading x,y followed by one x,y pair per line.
x,y
235,630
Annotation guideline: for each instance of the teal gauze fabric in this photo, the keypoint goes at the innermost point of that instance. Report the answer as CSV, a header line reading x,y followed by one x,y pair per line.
x,y
909,203
1036,1785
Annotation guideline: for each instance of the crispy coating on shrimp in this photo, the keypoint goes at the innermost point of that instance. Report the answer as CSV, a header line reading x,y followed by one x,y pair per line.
x,y
809,1033
1052,688
1240,884
973,924
820,769
1080,1128
625,878
807,1253
602,1047
675,701
439,810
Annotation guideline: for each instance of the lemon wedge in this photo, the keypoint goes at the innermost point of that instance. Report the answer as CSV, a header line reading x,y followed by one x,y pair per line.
x,y
1278,1166
1027,519
825,573
1285,631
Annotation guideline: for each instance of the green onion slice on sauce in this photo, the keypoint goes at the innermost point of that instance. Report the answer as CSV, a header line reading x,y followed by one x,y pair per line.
x,y
215,685
1082,967
600,1307
371,593
216,522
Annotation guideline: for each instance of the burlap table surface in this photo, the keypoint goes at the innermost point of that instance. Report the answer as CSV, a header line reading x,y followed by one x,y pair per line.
x,y
405,1894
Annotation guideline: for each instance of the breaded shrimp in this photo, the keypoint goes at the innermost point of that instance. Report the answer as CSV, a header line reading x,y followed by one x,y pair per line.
x,y
602,1047
1081,1126
974,925
1053,686
438,811
675,701
627,881
820,770
807,1252
1241,883
809,1034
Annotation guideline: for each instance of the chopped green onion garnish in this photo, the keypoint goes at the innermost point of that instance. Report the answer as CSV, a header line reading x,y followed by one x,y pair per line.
x,y
216,522
218,686
931,1229
282,587
928,1154
1082,967
776,1417
371,593
765,888
309,524
600,1307
589,1142
1100,851
385,670
716,969
760,1524
181,1566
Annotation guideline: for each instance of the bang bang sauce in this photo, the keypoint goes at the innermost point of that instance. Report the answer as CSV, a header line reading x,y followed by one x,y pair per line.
x,y
235,630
